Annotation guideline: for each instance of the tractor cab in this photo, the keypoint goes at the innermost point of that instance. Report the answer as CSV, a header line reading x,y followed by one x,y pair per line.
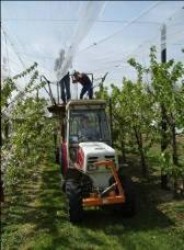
x,y
81,121
87,122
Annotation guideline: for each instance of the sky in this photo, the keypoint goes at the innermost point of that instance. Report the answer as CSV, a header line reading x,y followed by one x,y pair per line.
x,y
98,36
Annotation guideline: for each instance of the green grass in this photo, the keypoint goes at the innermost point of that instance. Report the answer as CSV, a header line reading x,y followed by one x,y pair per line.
x,y
39,221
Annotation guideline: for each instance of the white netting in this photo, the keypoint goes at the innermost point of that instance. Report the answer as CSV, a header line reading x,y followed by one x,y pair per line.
x,y
97,36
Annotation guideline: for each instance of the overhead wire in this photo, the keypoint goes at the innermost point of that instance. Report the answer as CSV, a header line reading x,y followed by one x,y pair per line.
x,y
147,10
132,53
72,20
7,54
130,23
20,92
151,40
38,56
13,46
20,58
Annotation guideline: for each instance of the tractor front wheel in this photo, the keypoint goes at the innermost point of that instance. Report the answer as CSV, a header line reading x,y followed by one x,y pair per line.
x,y
74,195
130,206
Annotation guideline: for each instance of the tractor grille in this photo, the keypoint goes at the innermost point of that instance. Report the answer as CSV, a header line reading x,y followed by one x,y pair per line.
x,y
110,157
93,159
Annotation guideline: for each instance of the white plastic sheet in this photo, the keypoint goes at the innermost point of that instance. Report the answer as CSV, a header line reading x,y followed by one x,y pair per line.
x,y
40,29
88,13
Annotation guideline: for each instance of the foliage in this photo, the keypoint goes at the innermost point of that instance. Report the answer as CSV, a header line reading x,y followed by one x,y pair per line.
x,y
137,112
9,85
29,140
166,88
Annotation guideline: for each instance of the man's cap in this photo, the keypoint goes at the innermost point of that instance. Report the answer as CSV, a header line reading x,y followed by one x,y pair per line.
x,y
74,73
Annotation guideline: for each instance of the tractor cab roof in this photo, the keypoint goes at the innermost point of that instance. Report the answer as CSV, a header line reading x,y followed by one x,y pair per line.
x,y
77,105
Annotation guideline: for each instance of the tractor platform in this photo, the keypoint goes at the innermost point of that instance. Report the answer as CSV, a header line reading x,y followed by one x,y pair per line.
x,y
76,104
57,108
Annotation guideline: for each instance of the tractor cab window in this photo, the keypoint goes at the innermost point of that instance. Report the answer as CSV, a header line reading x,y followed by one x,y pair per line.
x,y
88,125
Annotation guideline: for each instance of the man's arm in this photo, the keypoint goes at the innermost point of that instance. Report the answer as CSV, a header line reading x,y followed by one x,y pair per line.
x,y
74,80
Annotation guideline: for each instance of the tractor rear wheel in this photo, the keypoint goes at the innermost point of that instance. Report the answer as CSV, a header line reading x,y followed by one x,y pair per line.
x,y
73,192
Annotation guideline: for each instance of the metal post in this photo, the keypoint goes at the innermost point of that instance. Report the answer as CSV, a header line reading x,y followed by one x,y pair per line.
x,y
111,124
163,44
164,142
57,92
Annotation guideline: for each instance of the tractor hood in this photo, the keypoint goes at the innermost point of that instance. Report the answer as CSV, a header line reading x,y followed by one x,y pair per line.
x,y
91,152
96,149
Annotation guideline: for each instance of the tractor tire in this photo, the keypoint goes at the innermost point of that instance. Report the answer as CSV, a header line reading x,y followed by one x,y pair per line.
x,y
73,192
129,208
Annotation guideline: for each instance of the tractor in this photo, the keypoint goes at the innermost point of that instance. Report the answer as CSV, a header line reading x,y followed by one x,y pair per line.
x,y
88,162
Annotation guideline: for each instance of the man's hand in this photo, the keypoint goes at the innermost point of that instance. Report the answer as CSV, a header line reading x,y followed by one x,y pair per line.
x,y
74,80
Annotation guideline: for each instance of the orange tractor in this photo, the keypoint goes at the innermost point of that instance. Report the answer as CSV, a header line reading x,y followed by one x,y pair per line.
x,y
88,162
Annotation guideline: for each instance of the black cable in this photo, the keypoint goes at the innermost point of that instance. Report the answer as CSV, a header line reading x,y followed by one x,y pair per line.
x,y
128,24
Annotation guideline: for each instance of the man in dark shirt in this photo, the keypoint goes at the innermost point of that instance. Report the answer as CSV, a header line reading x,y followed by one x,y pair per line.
x,y
85,81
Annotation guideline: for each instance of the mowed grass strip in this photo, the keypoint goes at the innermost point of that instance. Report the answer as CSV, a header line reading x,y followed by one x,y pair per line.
x,y
40,220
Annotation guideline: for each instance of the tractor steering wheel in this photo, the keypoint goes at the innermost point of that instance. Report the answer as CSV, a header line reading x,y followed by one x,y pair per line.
x,y
82,137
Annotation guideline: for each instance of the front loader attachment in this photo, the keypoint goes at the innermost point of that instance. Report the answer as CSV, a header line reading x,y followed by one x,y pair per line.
x,y
108,196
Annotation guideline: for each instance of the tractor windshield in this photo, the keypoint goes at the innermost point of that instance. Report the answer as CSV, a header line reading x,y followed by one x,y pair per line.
x,y
89,125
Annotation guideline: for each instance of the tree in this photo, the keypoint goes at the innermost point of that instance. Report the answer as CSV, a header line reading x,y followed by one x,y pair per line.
x,y
167,91
31,134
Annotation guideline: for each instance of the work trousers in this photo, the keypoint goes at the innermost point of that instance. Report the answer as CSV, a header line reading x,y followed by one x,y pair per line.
x,y
65,88
87,88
